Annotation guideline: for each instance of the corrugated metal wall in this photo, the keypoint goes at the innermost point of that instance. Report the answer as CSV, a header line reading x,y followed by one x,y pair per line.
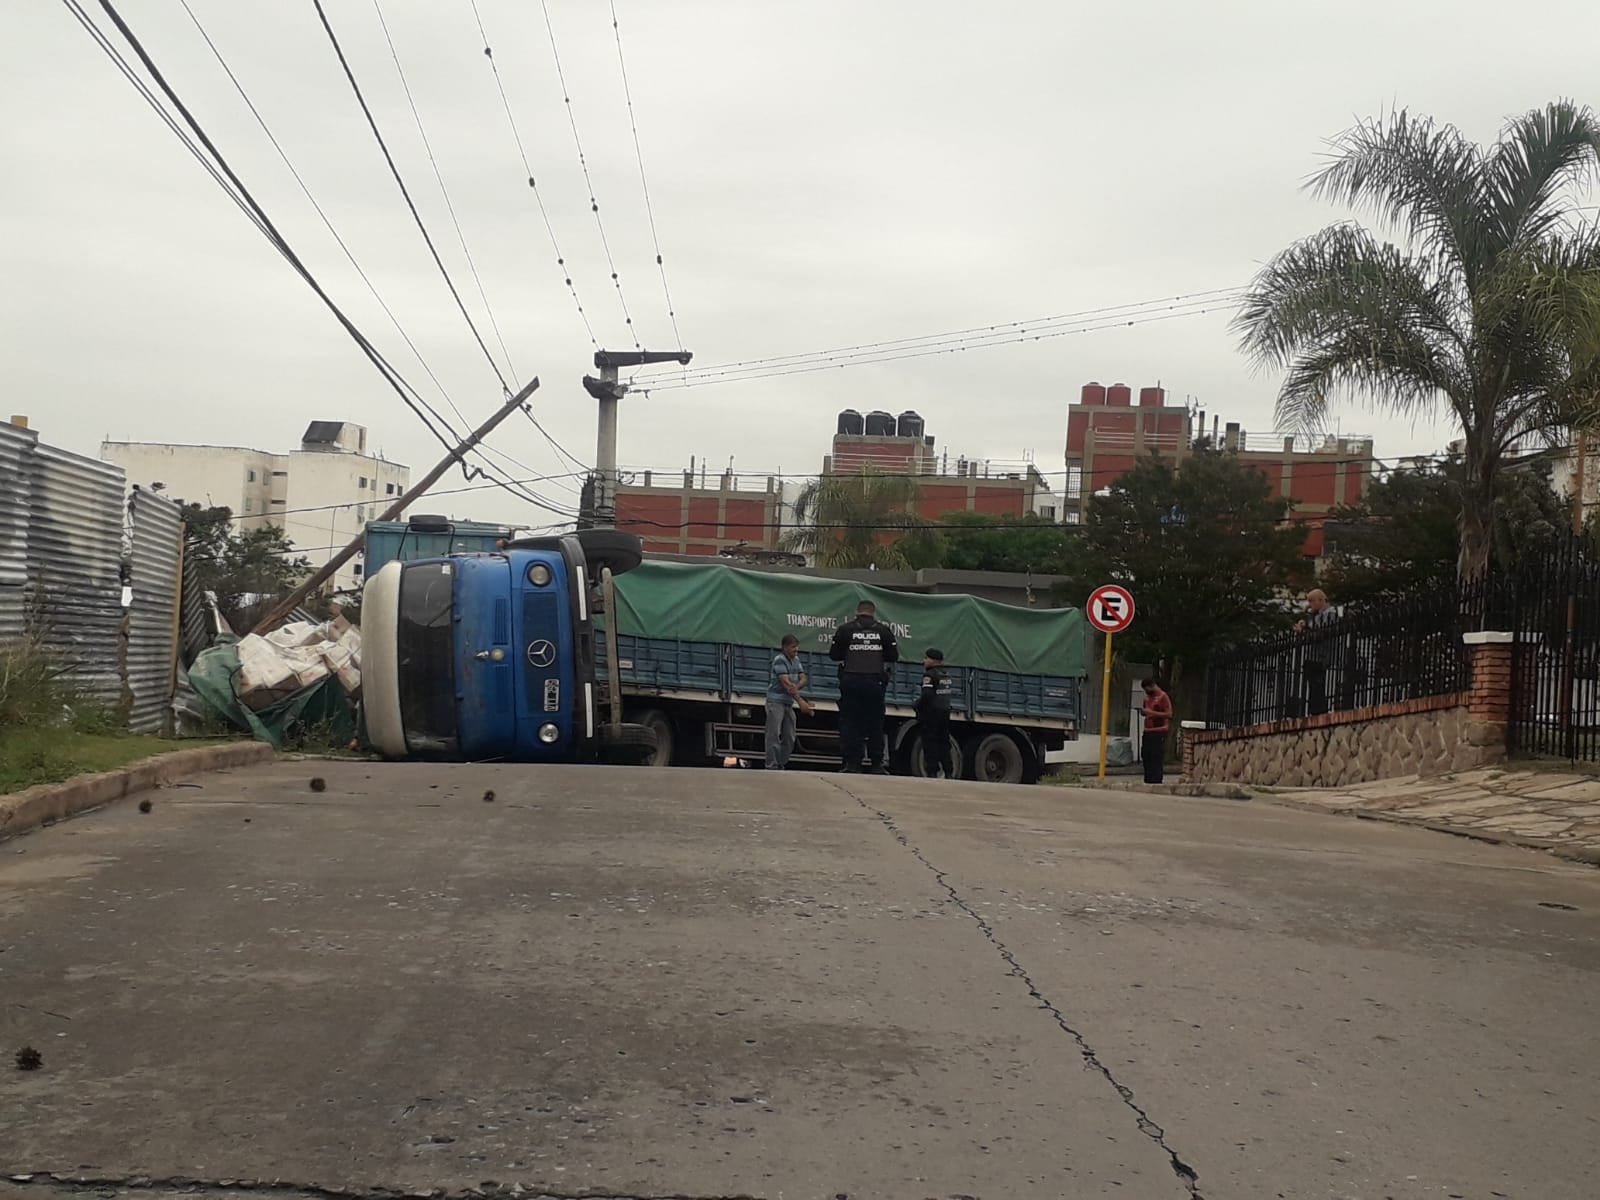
x,y
74,567
16,475
156,559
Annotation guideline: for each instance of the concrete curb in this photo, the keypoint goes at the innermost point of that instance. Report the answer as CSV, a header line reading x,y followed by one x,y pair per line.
x,y
1213,791
24,811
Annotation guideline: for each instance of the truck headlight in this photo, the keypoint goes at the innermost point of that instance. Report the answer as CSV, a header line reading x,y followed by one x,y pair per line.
x,y
549,734
539,575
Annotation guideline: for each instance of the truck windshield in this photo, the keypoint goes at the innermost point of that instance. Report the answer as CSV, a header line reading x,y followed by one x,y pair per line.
x,y
424,641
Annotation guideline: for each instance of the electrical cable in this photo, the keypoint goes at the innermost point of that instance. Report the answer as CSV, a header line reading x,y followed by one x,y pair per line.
x,y
171,122
1185,299
438,175
644,182
328,223
391,376
808,368
522,153
405,192
408,394
594,204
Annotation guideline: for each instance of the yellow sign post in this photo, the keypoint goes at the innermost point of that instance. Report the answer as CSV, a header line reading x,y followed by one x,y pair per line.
x,y
1110,611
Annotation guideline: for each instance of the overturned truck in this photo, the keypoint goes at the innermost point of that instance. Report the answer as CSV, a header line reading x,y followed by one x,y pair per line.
x,y
576,648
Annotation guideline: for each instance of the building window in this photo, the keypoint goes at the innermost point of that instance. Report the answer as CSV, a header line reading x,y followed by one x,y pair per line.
x,y
250,476
1048,512
356,569
361,512
363,484
280,474
388,490
249,506
280,501
1074,517
1074,483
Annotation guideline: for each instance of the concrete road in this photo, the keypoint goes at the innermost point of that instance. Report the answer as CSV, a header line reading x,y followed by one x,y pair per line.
x,y
632,983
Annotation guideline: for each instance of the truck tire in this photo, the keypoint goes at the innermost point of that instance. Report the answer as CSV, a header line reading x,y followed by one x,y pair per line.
x,y
660,725
995,758
913,764
613,548
634,745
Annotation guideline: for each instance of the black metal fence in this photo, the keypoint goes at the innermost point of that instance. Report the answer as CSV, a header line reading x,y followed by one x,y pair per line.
x,y
1555,660
1378,654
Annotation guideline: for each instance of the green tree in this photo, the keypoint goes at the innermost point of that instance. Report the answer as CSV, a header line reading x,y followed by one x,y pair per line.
x,y
1490,309
971,541
1404,539
238,564
1207,553
859,521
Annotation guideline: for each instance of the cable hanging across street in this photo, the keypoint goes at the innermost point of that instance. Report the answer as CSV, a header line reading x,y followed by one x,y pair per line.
x,y
583,163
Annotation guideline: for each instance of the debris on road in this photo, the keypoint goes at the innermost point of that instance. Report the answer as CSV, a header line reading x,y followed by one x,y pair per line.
x,y
29,1059
145,806
488,797
318,784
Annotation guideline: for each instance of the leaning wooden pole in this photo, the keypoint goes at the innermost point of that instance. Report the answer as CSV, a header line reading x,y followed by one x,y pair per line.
x,y
326,571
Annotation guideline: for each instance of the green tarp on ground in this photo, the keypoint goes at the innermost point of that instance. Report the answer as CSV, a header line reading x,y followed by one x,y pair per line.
x,y
715,603
322,711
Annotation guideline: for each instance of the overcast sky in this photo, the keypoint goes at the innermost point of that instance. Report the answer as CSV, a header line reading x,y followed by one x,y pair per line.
x,y
824,173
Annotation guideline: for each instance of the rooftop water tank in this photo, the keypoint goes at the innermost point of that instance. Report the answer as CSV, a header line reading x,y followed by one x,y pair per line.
x,y
910,424
880,424
851,424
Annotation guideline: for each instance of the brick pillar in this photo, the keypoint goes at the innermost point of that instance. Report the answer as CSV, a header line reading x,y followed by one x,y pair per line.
x,y
1188,747
1489,701
1490,698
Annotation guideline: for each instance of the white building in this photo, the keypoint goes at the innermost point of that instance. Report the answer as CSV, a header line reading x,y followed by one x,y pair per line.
x,y
321,495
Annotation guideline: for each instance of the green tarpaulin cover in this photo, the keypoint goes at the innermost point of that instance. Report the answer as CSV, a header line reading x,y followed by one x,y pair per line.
x,y
715,603
321,709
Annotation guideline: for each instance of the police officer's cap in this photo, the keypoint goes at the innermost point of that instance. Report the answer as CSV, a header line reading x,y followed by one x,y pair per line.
x,y
936,655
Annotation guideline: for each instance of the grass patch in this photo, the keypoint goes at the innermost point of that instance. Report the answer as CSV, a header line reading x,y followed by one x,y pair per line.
x,y
34,756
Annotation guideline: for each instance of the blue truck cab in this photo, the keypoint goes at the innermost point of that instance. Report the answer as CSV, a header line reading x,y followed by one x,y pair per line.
x,y
489,655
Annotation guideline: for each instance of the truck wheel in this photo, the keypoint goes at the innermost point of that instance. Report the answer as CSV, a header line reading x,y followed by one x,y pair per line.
x,y
613,548
915,766
660,725
995,758
631,744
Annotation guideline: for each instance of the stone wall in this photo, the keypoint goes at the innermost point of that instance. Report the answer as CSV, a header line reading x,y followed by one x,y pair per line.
x,y
1435,736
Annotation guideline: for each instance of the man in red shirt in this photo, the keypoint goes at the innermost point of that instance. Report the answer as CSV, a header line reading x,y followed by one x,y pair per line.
x,y
1157,710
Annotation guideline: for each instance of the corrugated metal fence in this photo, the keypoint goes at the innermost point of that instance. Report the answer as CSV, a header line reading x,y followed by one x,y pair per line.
x,y
69,542
149,656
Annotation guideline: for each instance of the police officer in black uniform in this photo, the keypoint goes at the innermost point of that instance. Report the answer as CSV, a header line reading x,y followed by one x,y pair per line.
x,y
866,652
933,715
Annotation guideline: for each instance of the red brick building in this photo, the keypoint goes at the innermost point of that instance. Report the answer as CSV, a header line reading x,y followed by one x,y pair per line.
x,y
686,519
1107,433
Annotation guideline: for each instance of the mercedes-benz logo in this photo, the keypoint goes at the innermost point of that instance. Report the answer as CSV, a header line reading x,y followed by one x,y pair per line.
x,y
541,653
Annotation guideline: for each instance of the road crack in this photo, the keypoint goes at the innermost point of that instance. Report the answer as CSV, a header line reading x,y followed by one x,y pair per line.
x,y
1186,1174
283,1189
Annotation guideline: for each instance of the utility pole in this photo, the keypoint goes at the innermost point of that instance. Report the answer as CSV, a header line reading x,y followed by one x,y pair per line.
x,y
327,570
607,393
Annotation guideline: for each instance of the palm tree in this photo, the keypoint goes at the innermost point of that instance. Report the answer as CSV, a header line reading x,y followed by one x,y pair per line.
x,y
1491,307
860,520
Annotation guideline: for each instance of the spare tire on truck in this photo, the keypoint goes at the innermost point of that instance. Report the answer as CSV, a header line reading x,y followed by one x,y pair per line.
x,y
613,548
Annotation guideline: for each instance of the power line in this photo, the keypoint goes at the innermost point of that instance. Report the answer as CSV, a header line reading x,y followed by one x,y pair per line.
x,y
391,376
644,183
178,131
405,192
328,223
1037,335
1188,298
443,190
237,190
594,204
533,186
560,449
